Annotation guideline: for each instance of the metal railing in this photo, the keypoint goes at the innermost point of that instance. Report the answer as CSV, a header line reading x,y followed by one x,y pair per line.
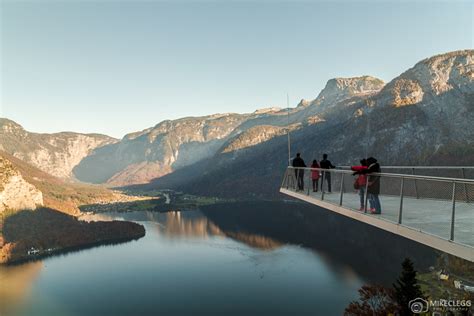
x,y
462,172
437,205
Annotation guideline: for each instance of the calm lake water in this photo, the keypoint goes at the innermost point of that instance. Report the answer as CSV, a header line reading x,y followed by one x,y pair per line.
x,y
185,265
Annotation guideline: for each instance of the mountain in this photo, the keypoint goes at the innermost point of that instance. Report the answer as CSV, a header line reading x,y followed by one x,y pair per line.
x,y
171,145
55,154
422,117
340,89
156,151
15,192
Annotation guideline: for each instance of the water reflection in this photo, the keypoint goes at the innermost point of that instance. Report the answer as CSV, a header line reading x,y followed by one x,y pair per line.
x,y
340,241
187,224
15,284
189,262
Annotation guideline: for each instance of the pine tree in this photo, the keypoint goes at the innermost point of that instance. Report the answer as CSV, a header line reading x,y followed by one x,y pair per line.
x,y
374,300
406,287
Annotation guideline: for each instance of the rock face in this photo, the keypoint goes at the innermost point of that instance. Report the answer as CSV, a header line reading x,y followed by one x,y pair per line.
x,y
56,154
430,79
406,92
15,192
156,151
340,89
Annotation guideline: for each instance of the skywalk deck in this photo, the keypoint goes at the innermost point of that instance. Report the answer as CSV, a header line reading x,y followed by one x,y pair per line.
x,y
437,212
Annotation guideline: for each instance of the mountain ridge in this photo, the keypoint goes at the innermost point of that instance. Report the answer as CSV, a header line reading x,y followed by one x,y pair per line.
x,y
437,92
55,153
437,129
163,146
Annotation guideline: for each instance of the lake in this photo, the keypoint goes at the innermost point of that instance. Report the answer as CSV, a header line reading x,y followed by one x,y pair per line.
x,y
186,264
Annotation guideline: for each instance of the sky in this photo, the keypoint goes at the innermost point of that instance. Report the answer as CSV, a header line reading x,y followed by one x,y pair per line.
x,y
115,67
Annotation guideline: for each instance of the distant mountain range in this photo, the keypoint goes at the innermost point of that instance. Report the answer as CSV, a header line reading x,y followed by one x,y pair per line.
x,y
423,116
56,154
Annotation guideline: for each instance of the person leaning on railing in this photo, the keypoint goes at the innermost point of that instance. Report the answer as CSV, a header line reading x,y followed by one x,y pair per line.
x,y
360,182
373,187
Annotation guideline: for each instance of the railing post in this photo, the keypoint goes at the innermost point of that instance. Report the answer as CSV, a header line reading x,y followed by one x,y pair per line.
x,y
310,183
401,202
322,185
291,175
465,186
453,212
285,178
342,189
416,186
297,185
288,177
366,193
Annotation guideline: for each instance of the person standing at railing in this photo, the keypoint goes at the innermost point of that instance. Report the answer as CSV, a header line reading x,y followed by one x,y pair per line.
x,y
299,164
360,182
373,187
326,164
315,175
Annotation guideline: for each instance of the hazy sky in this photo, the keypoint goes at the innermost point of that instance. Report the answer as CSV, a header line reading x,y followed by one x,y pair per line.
x,y
116,67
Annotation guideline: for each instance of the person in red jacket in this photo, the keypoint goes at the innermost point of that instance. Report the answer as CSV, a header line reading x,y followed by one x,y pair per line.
x,y
361,182
315,175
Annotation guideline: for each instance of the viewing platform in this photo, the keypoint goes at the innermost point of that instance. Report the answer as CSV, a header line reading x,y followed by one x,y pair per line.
x,y
437,211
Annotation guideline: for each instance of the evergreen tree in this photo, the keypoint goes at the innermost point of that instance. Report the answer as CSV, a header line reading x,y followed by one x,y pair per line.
x,y
375,300
406,287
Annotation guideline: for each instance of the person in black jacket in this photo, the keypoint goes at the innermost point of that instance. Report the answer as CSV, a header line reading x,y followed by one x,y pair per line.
x,y
298,162
373,189
326,164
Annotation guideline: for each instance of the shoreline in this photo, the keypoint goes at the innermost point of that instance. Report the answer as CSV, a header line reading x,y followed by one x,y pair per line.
x,y
71,249
55,233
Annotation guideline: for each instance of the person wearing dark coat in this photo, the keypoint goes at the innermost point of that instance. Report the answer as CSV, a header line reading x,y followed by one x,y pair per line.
x,y
326,164
298,162
373,188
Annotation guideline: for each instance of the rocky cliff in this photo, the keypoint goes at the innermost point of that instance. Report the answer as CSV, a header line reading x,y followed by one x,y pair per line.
x,y
15,192
431,78
340,89
156,151
56,154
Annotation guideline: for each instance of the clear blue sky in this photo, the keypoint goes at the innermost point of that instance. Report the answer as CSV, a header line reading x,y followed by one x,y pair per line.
x,y
117,67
